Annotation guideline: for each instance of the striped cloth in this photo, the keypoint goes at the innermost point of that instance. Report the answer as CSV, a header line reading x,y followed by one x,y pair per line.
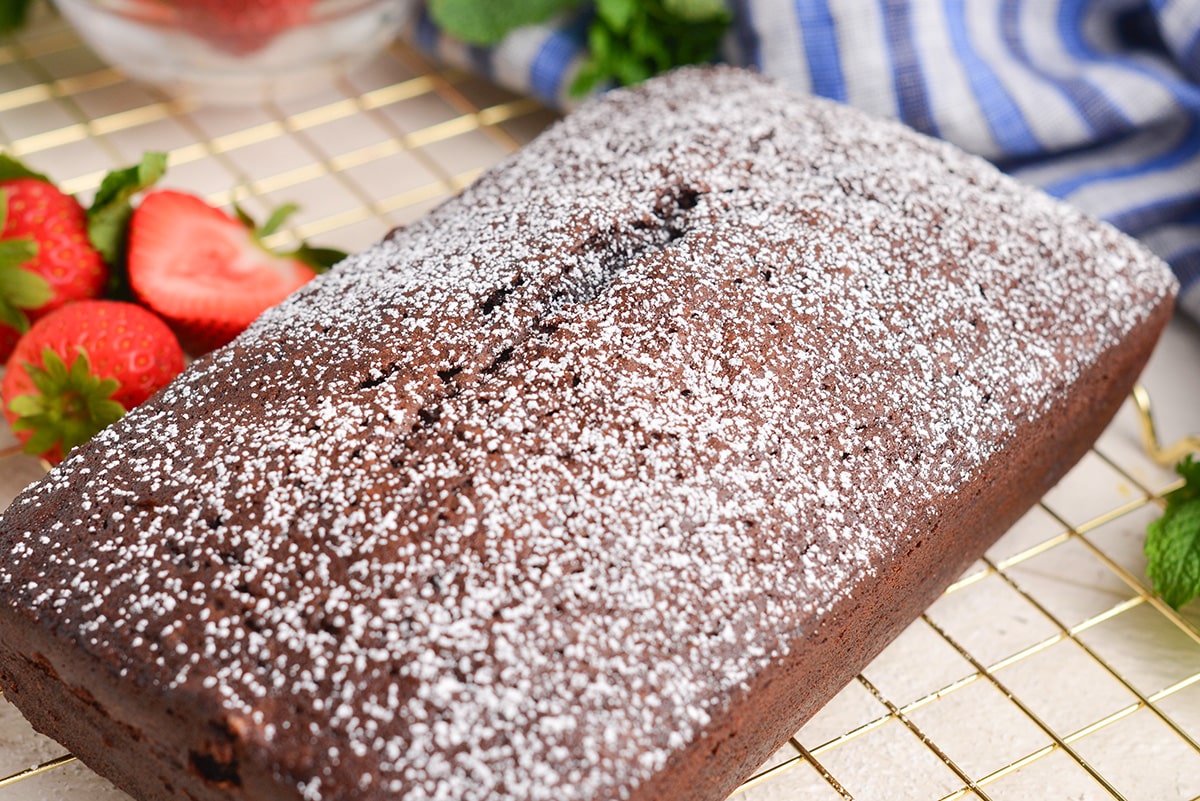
x,y
1095,101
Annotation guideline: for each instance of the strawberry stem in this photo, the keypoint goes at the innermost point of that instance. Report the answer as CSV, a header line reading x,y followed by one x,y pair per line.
x,y
276,220
19,289
70,406
11,168
319,259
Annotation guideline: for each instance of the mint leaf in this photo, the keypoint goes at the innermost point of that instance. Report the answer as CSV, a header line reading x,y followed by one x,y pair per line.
x,y
600,42
696,10
486,22
10,168
589,77
646,42
629,69
1173,541
617,14
108,217
630,41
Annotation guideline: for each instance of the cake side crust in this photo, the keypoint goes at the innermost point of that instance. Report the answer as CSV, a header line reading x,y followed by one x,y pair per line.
x,y
789,692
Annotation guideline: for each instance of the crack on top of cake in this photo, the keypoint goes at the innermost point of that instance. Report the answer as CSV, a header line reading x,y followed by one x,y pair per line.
x,y
589,269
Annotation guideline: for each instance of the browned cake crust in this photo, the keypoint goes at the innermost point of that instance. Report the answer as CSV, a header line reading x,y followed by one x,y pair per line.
x,y
594,484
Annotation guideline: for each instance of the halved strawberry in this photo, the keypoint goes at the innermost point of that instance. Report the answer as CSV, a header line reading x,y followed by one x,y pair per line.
x,y
46,259
206,273
80,368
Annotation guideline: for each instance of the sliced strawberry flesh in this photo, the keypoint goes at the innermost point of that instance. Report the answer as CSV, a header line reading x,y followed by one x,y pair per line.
x,y
191,261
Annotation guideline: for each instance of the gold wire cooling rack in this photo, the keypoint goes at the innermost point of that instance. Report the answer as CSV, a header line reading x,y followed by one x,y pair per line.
x,y
1047,671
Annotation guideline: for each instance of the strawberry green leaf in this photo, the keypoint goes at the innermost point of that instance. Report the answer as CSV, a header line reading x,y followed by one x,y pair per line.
x,y
10,169
320,259
15,252
276,220
44,438
108,216
24,405
78,371
20,289
1173,541
70,406
13,14
630,41
244,217
120,185
51,375
13,318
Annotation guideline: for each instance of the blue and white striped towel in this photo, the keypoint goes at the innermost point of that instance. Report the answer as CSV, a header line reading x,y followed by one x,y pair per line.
x,y
1095,101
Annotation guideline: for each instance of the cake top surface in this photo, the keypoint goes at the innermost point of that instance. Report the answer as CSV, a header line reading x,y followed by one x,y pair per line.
x,y
681,372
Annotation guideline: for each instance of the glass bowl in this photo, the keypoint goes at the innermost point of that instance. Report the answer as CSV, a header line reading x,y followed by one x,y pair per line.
x,y
236,53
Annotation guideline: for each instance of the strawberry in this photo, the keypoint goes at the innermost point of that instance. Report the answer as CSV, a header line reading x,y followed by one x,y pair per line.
x,y
208,274
46,259
238,27
80,368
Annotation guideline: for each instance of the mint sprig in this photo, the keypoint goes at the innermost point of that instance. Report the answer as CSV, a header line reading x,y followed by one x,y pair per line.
x,y
627,41
631,40
486,22
1173,541
11,169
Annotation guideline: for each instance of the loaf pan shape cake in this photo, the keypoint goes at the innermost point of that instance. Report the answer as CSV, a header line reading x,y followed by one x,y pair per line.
x,y
593,484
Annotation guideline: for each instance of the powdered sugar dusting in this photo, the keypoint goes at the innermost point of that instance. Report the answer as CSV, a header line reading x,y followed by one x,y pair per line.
x,y
508,505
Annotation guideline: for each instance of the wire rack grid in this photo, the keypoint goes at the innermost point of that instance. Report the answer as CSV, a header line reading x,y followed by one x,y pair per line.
x,y
1048,670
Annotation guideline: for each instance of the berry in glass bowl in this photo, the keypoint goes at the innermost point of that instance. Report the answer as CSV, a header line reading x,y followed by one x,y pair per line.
x,y
229,52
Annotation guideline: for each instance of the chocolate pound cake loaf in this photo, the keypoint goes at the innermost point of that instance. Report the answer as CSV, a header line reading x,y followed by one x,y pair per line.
x,y
593,484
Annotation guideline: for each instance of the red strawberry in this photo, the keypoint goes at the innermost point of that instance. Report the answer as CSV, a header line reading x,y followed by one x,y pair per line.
x,y
80,368
46,259
207,274
238,27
